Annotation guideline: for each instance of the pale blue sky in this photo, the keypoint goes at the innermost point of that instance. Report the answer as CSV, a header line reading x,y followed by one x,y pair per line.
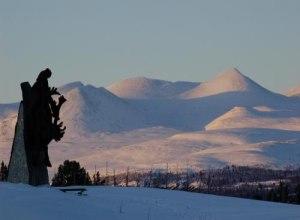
x,y
99,42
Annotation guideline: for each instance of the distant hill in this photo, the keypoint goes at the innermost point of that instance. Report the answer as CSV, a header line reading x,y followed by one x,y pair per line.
x,y
91,109
294,91
231,80
142,122
145,88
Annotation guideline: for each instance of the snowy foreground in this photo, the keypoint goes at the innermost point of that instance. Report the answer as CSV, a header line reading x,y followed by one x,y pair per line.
x,y
29,203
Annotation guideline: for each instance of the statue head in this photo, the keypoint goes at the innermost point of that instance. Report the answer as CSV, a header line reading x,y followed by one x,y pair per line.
x,y
44,75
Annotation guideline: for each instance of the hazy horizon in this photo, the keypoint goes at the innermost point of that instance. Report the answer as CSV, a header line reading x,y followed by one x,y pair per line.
x,y
99,42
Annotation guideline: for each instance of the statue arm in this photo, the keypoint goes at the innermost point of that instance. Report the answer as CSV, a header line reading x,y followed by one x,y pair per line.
x,y
53,91
58,129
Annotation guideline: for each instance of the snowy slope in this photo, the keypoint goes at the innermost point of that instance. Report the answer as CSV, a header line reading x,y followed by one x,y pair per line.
x,y
294,91
145,88
7,126
195,114
68,87
231,80
8,118
243,117
90,109
8,109
195,108
112,203
211,124
204,149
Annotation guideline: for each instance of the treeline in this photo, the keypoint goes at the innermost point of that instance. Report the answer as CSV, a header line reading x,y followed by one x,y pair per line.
x,y
71,173
3,172
238,181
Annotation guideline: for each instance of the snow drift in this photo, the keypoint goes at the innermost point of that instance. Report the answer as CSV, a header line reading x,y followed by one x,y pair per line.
x,y
24,202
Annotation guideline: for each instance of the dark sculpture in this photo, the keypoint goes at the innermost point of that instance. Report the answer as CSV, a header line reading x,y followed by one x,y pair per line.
x,y
42,119
41,124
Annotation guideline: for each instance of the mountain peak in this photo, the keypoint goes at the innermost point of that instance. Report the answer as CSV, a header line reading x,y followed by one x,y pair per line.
x,y
233,80
147,88
69,86
231,73
230,80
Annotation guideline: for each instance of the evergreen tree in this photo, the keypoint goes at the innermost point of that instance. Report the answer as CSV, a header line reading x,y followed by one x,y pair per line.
x,y
157,180
150,178
3,172
127,177
115,179
97,178
167,176
283,192
87,180
298,193
71,173
271,195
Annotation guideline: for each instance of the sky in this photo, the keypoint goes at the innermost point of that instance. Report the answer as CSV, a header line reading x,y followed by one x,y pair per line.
x,y
100,42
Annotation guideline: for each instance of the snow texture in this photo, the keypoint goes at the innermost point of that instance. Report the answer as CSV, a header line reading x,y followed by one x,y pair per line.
x,y
24,202
294,91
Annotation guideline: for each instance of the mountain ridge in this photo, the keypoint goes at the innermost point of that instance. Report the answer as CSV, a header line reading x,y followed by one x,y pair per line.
x,y
294,92
146,88
230,80
158,121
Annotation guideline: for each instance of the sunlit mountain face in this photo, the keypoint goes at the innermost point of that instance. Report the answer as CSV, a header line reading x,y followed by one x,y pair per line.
x,y
142,122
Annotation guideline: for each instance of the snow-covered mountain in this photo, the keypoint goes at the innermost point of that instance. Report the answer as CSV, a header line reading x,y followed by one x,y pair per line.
x,y
145,88
8,119
143,122
231,80
257,117
90,109
195,108
8,109
294,91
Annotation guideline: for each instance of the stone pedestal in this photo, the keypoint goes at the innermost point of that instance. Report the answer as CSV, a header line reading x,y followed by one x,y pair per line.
x,y
38,124
18,166
21,168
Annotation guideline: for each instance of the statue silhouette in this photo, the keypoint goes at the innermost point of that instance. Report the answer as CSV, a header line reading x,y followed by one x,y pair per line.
x,y
37,125
43,117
